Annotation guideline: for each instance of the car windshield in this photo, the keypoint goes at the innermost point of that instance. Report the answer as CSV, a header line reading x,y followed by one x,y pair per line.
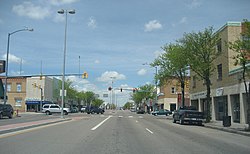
x,y
125,76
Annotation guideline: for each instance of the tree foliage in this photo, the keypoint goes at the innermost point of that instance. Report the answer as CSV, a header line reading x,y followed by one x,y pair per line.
x,y
173,63
200,49
146,91
242,49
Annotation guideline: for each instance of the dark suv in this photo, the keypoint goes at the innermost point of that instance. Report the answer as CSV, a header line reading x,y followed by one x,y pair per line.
x,y
6,110
93,109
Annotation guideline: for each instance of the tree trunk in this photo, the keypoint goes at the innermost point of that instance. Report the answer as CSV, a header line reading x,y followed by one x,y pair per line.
x,y
183,93
208,100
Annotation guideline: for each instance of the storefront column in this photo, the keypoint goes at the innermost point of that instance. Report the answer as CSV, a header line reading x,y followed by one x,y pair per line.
x,y
212,109
229,108
199,105
243,110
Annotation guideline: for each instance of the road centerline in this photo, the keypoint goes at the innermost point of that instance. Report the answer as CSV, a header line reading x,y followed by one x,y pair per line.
x,y
149,131
94,128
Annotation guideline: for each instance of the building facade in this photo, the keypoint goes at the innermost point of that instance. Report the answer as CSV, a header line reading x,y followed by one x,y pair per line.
x,y
30,93
16,92
170,95
228,96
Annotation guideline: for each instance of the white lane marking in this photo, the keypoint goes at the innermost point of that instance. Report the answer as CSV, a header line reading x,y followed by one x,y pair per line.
x,y
130,116
149,131
94,128
136,121
140,117
120,116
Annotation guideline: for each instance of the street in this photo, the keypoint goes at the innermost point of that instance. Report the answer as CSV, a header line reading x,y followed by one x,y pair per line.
x,y
122,132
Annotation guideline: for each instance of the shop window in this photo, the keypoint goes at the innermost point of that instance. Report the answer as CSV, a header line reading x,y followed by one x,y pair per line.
x,y
219,69
18,101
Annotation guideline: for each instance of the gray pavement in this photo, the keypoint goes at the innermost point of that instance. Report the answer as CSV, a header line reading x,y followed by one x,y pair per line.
x,y
45,120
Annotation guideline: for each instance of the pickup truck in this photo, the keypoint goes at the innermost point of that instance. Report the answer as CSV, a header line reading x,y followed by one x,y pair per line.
x,y
188,114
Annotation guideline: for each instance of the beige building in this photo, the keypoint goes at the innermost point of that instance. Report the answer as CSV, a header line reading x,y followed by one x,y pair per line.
x,y
28,93
16,92
227,88
170,95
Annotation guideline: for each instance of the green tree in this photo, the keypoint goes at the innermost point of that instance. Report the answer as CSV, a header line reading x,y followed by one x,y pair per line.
x,y
200,49
144,92
173,63
97,102
89,96
242,49
128,105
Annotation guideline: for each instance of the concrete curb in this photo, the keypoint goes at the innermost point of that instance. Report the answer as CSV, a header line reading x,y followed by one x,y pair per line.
x,y
32,126
228,130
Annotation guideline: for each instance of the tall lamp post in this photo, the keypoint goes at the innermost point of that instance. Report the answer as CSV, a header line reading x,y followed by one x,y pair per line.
x,y
62,11
156,82
7,60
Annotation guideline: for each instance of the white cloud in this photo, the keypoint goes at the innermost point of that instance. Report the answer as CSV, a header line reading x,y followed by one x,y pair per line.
x,y
28,9
92,23
97,61
158,53
82,84
59,18
183,20
61,2
194,4
142,71
106,76
1,21
152,25
13,59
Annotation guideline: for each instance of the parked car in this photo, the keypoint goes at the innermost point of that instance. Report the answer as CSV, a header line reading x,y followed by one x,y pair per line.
x,y
6,110
83,109
161,112
188,114
54,108
93,109
74,109
140,111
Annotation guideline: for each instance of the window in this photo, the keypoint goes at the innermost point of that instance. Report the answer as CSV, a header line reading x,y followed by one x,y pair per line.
x,y
194,82
172,90
219,46
18,101
18,87
219,69
8,87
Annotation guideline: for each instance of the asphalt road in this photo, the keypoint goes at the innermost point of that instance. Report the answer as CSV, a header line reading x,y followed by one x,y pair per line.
x,y
123,132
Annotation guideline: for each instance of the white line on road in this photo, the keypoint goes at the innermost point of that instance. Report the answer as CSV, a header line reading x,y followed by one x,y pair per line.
x,y
94,128
149,131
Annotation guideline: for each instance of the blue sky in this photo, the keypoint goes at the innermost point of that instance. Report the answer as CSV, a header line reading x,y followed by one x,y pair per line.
x,y
112,37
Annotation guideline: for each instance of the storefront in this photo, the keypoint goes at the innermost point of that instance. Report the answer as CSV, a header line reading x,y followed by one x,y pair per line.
x,y
35,106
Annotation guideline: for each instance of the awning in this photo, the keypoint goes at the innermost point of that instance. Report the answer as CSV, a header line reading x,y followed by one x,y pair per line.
x,y
37,102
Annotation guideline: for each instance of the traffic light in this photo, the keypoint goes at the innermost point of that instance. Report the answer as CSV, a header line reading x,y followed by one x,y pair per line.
x,y
121,89
110,88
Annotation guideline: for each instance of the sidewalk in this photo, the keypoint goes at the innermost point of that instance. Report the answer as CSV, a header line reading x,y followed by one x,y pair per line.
x,y
26,125
234,128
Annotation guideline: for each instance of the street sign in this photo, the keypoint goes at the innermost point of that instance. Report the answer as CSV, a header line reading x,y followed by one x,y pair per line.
x,y
65,92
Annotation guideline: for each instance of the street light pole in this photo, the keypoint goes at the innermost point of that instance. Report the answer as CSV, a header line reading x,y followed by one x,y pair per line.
x,y
7,60
62,11
156,82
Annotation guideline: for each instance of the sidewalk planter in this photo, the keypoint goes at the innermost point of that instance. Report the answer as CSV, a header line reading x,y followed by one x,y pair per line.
x,y
226,121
